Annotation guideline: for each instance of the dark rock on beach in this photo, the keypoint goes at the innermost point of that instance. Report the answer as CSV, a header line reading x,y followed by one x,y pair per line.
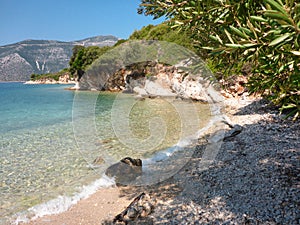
x,y
235,130
125,171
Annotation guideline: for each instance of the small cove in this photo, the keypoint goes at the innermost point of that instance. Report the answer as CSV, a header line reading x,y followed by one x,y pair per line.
x,y
41,153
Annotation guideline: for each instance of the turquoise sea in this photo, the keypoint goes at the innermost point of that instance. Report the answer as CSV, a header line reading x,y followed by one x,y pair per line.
x,y
50,136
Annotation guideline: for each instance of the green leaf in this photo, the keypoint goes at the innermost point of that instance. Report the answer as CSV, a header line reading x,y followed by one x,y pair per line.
x,y
229,36
249,45
277,6
281,68
218,51
238,32
252,28
179,22
296,52
258,18
216,38
278,16
297,12
274,32
290,106
208,48
234,45
296,43
221,16
246,30
279,39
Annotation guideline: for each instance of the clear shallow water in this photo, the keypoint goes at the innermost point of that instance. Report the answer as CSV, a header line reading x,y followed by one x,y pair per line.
x,y
44,153
29,106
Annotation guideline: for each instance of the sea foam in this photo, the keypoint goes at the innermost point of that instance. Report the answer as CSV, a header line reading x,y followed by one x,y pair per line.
x,y
63,203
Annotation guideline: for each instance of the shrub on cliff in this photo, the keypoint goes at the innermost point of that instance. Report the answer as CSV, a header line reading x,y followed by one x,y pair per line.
x,y
163,32
54,76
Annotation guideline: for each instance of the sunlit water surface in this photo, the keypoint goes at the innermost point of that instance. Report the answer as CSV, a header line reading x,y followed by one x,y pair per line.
x,y
43,155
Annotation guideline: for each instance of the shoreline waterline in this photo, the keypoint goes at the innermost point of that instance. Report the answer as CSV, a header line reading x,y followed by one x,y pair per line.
x,y
44,149
62,204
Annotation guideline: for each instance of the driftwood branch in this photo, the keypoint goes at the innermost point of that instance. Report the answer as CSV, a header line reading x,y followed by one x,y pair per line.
x,y
140,207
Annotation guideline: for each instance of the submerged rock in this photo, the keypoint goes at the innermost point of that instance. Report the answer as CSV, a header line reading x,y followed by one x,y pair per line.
x,y
125,171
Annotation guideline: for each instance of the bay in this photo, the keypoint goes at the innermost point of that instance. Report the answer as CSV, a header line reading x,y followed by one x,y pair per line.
x,y
50,136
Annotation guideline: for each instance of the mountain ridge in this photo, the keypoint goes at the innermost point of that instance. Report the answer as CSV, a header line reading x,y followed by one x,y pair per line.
x,y
19,60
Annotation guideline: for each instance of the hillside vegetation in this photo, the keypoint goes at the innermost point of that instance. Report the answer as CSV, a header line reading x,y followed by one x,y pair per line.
x,y
82,56
265,34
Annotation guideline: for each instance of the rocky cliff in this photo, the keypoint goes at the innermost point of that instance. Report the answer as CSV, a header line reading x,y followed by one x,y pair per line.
x,y
18,61
151,79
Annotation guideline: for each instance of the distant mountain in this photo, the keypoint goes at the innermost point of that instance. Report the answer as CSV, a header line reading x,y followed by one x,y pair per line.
x,y
18,61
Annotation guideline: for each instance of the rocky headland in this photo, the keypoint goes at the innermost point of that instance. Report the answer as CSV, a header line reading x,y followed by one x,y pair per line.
x,y
63,79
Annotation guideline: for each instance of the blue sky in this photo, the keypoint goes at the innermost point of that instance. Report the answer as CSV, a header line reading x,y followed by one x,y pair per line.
x,y
68,20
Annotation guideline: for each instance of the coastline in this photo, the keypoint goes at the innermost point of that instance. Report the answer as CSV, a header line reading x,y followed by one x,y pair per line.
x,y
247,169
100,206
49,82
2,81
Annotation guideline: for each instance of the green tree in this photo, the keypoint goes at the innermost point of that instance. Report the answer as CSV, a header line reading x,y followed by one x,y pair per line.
x,y
119,42
83,57
163,32
265,33
76,59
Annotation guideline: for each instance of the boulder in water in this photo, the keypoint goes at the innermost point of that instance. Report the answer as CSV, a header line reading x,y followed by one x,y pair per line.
x,y
125,171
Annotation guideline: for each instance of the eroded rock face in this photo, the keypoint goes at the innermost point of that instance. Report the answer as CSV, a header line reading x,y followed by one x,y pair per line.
x,y
148,79
65,78
125,171
134,80
154,79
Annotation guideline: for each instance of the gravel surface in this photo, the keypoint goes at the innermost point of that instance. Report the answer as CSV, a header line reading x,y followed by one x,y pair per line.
x,y
255,178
